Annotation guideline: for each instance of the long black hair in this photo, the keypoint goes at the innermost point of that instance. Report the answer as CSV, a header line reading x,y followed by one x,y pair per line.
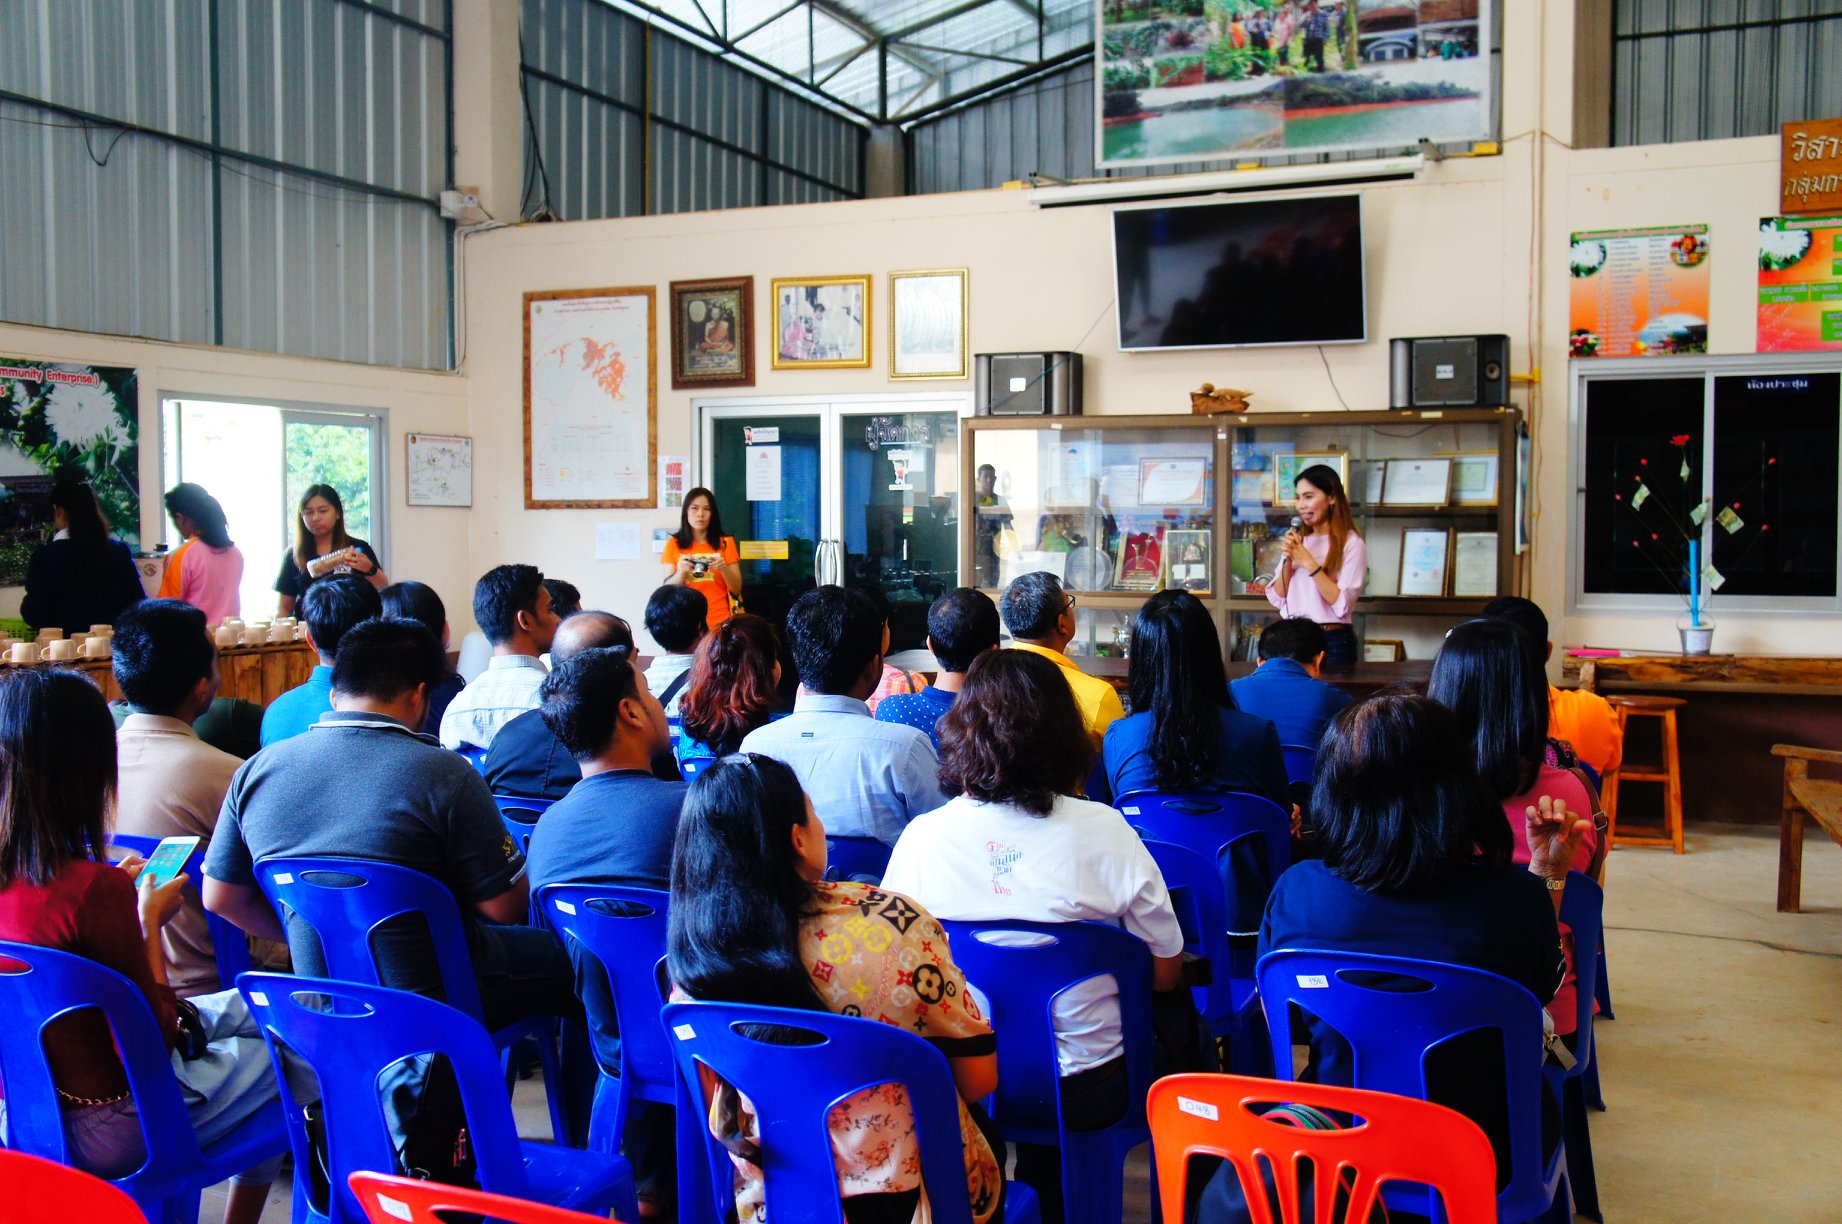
x,y
1397,806
203,509
685,535
57,773
737,893
1176,675
88,533
303,539
1486,674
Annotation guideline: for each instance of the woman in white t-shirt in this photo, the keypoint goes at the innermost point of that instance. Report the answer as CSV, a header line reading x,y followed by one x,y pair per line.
x,y
1017,844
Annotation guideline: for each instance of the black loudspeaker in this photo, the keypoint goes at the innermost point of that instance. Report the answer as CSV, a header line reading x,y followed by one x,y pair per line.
x,y
1029,384
1449,372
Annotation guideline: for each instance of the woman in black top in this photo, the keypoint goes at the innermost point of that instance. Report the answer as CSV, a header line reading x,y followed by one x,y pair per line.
x,y
322,547
84,579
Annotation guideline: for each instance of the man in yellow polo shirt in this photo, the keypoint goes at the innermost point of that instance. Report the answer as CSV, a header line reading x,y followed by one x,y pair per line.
x,y
1040,616
1585,720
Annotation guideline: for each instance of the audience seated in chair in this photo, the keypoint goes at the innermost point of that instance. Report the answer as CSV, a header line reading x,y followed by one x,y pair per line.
x,y
1017,844
57,890
1041,618
754,921
526,759
961,626
1186,733
675,617
1579,718
868,778
418,601
337,603
1416,863
1284,688
513,609
367,786
1488,673
734,686
170,783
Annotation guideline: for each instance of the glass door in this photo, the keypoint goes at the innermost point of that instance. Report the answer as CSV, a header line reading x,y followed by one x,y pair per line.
x,y
765,468
899,505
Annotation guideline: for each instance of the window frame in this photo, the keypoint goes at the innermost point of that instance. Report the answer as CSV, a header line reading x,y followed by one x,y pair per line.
x,y
1582,374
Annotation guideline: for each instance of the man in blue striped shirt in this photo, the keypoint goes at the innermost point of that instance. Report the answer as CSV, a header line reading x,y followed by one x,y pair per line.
x,y
961,626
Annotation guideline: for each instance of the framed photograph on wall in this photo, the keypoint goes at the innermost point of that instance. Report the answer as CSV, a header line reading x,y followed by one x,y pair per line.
x,y
713,333
1286,469
1418,482
929,323
821,322
1474,478
1425,558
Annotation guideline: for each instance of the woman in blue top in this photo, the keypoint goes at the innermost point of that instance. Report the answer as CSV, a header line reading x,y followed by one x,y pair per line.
x,y
1186,733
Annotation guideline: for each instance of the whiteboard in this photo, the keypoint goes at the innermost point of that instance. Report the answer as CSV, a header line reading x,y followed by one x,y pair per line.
x,y
590,399
440,470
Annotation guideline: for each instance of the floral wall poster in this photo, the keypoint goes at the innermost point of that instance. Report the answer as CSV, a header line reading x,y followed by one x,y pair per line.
x,y
1800,284
56,420
1639,292
1188,80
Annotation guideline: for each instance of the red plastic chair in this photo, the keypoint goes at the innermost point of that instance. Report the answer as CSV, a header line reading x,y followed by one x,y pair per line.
x,y
388,1199
40,1191
1396,1139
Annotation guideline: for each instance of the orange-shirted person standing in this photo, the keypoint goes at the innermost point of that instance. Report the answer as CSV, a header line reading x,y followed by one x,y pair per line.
x,y
1584,719
700,556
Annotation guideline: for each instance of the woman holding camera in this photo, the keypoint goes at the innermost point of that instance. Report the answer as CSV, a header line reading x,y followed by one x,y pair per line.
x,y
700,556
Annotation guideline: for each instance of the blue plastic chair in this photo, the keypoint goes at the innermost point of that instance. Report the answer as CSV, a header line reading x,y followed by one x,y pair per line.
x,y
1229,1005
40,985
1582,909
856,858
229,945
627,940
474,755
520,815
345,916
691,766
1390,1031
1301,762
793,1089
1020,985
349,1034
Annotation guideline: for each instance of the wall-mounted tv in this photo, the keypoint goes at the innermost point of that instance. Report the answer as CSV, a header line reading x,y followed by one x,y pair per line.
x,y
1243,272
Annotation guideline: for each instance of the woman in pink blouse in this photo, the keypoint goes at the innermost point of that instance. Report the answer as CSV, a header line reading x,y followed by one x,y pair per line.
x,y
1325,562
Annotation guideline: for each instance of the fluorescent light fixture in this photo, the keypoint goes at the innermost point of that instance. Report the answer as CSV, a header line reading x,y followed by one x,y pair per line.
x,y
1258,178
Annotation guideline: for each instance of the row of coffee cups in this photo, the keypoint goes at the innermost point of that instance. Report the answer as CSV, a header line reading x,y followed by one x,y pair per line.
x,y
51,646
234,632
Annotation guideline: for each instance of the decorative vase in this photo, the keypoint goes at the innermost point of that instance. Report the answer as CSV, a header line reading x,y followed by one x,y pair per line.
x,y
1696,639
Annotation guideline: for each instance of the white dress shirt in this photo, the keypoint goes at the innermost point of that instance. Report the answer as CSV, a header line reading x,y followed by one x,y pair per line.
x,y
507,688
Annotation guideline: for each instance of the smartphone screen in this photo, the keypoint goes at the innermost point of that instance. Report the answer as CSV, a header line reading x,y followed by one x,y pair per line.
x,y
168,859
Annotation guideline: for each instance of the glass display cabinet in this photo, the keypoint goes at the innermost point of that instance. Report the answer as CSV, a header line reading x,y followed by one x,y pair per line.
x,y
1119,507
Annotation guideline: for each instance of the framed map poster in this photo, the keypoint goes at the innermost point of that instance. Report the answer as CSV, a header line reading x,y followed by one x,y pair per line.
x,y
591,399
440,470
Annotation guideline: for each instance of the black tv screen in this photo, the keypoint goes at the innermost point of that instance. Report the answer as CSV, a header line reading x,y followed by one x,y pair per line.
x,y
1223,275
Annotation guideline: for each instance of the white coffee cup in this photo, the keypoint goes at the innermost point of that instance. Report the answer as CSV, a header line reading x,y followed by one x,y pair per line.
x,y
254,635
300,633
102,630
227,636
281,633
50,635
77,640
95,648
57,651
22,652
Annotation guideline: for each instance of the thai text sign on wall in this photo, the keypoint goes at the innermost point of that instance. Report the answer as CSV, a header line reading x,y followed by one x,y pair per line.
x,y
1811,167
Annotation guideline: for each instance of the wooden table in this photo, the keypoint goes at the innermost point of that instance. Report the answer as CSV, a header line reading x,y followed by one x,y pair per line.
x,y
1793,675
1360,680
257,674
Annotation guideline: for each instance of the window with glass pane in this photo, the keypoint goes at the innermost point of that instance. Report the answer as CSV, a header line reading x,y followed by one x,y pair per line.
x,y
338,455
1774,509
1645,439
1112,510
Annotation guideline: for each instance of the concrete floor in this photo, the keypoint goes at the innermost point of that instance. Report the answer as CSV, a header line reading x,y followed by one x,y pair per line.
x,y
1723,1070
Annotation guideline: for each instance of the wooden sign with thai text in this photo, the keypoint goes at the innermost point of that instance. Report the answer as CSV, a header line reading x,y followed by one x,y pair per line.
x,y
1811,167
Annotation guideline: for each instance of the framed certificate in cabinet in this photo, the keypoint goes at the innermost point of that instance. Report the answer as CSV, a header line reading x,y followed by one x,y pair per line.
x,y
1425,557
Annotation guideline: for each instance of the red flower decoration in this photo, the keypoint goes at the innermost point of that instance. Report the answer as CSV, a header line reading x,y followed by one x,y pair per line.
x,y
1679,440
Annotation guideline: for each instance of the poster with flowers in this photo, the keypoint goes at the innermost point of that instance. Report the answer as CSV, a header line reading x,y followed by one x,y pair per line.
x,y
1800,284
59,421
1639,292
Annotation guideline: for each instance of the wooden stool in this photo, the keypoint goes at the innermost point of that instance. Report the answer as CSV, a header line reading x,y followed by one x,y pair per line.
x,y
1668,773
1817,798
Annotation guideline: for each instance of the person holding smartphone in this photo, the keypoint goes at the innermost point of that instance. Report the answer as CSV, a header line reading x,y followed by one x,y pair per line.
x,y
700,556
1325,563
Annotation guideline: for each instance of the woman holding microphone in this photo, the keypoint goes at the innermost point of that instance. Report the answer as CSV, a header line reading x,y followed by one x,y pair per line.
x,y
700,556
1325,562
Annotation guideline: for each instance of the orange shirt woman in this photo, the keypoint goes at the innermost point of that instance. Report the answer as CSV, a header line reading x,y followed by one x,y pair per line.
x,y
700,556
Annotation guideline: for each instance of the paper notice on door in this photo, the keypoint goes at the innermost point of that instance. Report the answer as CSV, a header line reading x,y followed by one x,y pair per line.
x,y
620,542
763,482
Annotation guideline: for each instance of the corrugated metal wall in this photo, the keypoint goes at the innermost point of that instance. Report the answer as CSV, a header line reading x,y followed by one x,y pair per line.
x,y
1708,69
310,229
721,137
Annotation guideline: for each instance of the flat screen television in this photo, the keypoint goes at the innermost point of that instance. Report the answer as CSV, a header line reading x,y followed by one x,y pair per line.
x,y
1240,273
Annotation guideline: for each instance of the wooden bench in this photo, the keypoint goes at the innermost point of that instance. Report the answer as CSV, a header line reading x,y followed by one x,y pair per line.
x,y
1818,798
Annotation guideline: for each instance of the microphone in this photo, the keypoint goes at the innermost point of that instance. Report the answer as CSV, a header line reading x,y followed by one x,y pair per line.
x,y
1297,523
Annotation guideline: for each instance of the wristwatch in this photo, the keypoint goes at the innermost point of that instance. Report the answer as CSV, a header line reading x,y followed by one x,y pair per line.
x,y
1553,884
